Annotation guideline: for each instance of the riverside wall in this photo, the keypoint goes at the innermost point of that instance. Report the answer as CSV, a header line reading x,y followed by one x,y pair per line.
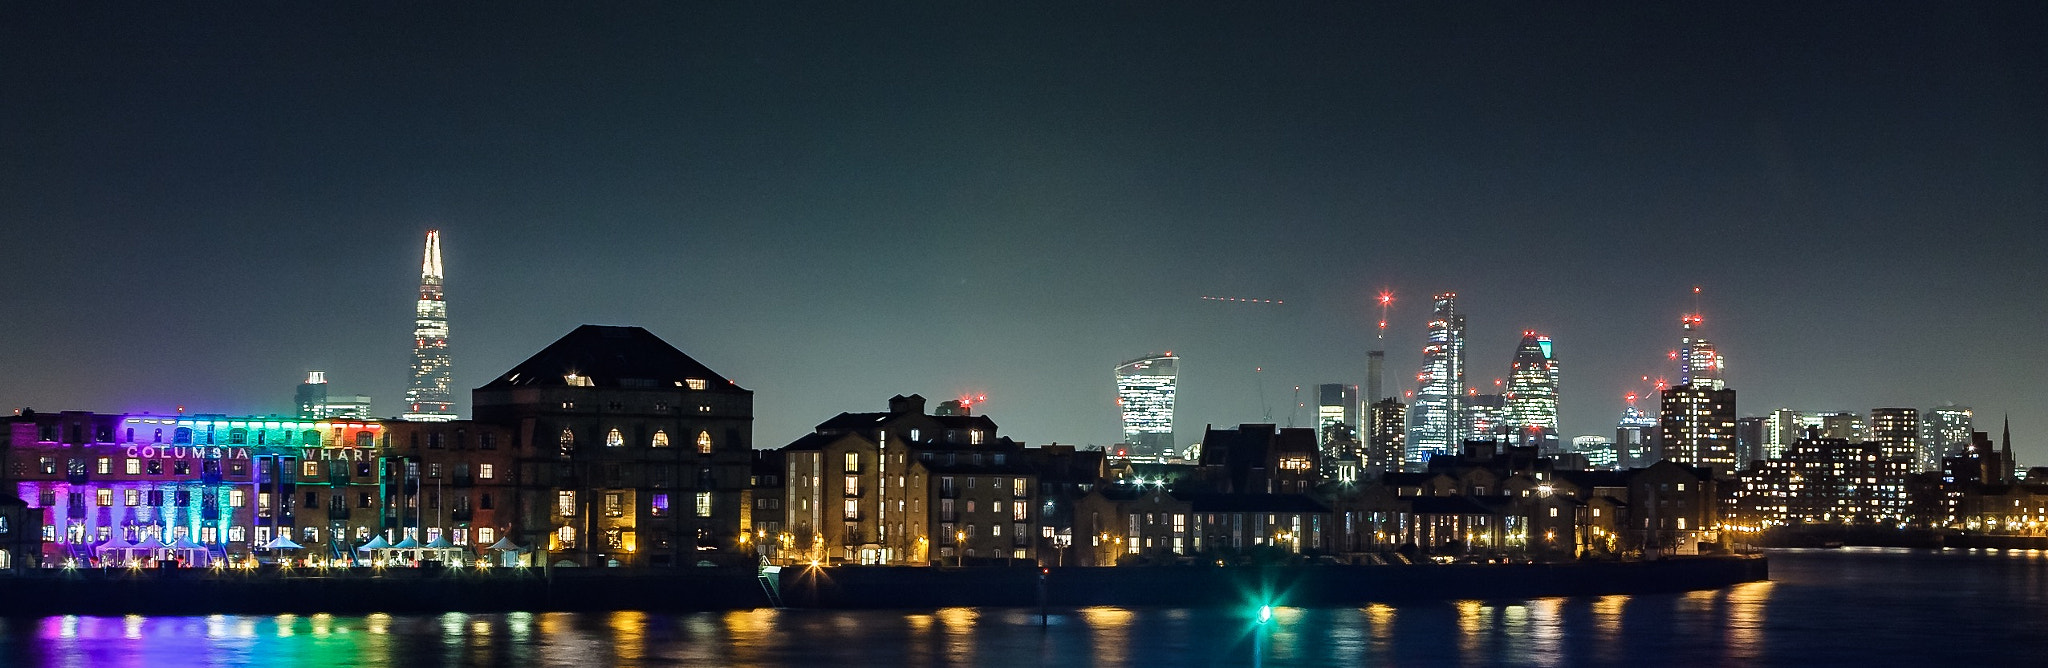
x,y
401,591
887,587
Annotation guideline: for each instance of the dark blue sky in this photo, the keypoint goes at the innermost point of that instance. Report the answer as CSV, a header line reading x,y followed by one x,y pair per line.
x,y
833,204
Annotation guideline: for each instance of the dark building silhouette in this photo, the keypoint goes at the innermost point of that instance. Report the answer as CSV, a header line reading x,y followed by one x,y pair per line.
x,y
629,451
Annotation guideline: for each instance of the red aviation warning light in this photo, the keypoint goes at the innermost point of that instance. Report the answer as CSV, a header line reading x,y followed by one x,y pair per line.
x,y
1386,302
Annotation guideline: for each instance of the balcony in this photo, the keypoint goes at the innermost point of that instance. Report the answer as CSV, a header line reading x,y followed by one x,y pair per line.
x,y
462,515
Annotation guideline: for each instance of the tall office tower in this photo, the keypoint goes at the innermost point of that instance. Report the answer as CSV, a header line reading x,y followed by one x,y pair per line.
x,y
1840,424
1897,431
1375,364
1383,453
1697,426
1486,419
1944,432
1698,362
1749,440
1531,397
1336,407
428,397
1696,423
1337,425
1438,411
1144,388
312,396
1598,451
1635,438
1781,429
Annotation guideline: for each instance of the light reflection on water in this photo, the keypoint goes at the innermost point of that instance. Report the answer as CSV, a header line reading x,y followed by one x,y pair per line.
x,y
1826,607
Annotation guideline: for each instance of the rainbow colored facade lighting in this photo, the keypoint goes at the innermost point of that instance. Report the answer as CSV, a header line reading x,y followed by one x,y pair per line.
x,y
196,488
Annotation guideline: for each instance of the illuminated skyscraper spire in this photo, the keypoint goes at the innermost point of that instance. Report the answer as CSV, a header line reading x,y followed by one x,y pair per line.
x,y
427,398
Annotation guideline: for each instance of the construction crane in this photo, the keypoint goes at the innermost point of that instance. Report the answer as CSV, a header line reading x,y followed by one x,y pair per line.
x,y
1386,302
1244,300
1297,407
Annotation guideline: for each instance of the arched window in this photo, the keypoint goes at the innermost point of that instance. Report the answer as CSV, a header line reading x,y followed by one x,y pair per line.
x,y
310,437
182,436
660,438
159,438
567,441
614,439
704,442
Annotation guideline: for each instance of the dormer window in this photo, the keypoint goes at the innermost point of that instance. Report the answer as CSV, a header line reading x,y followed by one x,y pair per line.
x,y
694,383
576,380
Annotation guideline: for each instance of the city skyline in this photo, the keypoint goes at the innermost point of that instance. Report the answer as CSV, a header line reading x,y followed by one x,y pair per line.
x,y
1066,215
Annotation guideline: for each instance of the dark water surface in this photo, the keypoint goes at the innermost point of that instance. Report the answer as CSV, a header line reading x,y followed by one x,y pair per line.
x,y
1834,607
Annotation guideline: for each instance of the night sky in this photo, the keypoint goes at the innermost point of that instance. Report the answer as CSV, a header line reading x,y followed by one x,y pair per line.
x,y
835,203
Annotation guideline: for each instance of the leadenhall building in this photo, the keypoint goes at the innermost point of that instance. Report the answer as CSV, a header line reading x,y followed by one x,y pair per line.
x,y
607,448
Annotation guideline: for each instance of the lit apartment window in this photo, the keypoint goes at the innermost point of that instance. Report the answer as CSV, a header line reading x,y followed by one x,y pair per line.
x,y
312,470
485,471
133,466
703,504
660,438
852,462
704,442
614,439
694,383
565,503
106,465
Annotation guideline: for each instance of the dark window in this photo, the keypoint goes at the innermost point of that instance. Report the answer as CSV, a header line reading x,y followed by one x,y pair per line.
x,y
363,501
484,502
486,442
312,500
47,498
156,467
156,497
362,469
181,467
184,498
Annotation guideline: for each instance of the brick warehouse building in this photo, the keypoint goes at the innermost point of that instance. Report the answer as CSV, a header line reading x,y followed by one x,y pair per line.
x,y
628,451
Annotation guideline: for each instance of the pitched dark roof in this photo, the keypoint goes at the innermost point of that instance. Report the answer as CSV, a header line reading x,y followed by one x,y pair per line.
x,y
813,441
1448,505
1255,503
625,357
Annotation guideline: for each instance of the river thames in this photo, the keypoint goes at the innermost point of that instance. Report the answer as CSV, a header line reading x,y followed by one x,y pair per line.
x,y
1823,607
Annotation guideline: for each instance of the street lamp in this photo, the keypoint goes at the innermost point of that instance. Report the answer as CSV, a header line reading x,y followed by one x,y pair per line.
x,y
960,549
